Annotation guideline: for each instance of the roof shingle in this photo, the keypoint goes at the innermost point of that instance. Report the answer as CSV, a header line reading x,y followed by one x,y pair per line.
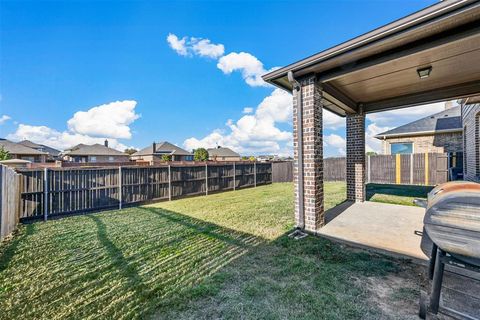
x,y
446,120
162,148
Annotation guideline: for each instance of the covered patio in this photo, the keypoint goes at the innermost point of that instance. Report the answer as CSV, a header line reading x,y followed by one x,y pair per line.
x,y
432,55
393,229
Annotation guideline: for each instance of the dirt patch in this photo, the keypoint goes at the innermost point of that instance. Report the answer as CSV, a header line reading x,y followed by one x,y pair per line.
x,y
397,295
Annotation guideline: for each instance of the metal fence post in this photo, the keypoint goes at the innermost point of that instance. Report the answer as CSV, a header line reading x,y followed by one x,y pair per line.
x,y
255,174
206,178
120,188
169,183
45,194
234,176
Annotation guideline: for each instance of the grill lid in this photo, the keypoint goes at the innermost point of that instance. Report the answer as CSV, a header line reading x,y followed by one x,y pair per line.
x,y
452,218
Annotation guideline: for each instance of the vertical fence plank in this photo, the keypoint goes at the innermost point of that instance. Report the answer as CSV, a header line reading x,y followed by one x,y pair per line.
x,y
426,169
45,194
120,187
206,179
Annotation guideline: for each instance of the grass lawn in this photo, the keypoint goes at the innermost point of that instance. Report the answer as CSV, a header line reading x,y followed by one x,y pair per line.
x,y
396,194
220,256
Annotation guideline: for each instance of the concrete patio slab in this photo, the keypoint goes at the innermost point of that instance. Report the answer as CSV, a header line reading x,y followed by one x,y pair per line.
x,y
389,228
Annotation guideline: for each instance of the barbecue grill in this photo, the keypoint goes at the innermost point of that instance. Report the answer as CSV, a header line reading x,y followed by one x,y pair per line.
x,y
452,223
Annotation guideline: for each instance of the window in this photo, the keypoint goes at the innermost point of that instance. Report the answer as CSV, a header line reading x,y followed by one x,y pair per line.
x,y
401,148
93,159
110,159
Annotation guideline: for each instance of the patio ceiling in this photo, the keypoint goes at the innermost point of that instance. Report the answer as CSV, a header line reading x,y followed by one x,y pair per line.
x,y
378,70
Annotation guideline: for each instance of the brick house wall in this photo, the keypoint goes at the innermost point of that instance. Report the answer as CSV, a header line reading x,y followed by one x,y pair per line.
x,y
437,143
471,141
312,155
356,157
30,157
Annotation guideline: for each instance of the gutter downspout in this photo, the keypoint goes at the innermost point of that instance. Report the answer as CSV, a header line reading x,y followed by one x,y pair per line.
x,y
301,209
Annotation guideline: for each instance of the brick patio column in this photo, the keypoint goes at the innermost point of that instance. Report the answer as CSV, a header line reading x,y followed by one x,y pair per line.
x,y
356,157
312,155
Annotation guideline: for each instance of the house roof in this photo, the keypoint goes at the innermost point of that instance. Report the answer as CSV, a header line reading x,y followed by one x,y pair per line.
x,y
93,150
16,148
378,70
162,148
47,149
15,161
448,120
222,152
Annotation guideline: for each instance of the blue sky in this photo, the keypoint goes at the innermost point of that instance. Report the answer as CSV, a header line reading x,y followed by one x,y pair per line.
x,y
82,71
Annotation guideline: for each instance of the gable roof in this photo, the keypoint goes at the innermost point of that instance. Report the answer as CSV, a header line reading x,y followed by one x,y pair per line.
x,y
222,152
448,120
162,148
93,150
16,148
44,148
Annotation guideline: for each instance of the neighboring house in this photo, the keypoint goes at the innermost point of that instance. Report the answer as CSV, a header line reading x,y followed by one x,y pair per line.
x,y
222,154
471,138
19,151
438,133
16,163
52,154
156,150
94,153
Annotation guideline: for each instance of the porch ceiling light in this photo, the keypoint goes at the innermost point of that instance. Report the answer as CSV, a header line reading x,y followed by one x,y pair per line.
x,y
424,73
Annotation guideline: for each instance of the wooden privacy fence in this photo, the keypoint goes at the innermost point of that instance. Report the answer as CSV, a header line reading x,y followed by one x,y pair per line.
x,y
70,190
10,184
415,169
282,171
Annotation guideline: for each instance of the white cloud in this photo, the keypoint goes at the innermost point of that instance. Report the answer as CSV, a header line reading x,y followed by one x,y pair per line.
x,y
335,141
247,110
251,68
195,46
56,139
372,143
109,120
247,64
332,121
254,133
4,118
179,45
204,48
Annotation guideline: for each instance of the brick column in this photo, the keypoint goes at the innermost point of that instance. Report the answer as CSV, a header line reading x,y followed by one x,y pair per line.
x,y
356,157
312,155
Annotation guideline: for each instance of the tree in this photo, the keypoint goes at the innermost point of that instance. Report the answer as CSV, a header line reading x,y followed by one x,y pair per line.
x,y
245,158
371,153
252,158
200,154
166,157
4,154
130,151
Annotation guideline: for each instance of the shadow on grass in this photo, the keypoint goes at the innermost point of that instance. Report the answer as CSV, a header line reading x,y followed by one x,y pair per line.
x,y
9,248
148,261
397,190
117,258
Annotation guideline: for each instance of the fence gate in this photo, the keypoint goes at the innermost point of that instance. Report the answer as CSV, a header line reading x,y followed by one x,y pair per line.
x,y
441,168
